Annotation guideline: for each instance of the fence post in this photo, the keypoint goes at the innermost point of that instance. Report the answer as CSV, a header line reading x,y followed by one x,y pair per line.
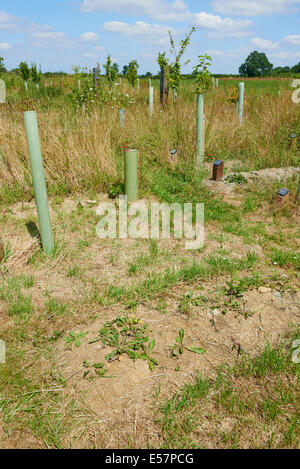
x,y
131,174
38,176
200,129
241,101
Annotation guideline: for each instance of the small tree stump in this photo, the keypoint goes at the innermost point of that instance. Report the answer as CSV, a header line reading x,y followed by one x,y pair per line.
x,y
218,167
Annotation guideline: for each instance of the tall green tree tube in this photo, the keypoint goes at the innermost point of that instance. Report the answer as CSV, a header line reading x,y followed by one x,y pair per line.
x,y
174,95
121,117
200,129
131,174
151,100
38,176
241,101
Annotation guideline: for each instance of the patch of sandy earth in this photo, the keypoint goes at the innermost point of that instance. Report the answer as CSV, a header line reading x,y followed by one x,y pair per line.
x,y
133,384
269,174
227,189
106,273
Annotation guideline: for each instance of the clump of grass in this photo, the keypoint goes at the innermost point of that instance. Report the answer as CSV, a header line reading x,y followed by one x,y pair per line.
x,y
285,258
257,399
19,305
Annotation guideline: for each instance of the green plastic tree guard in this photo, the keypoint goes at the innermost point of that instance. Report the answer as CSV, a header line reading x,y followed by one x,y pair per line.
x,y
200,129
2,92
38,176
131,174
121,117
174,95
241,101
151,91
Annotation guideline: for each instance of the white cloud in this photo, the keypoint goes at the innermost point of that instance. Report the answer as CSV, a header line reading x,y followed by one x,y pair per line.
x,y
48,35
285,55
293,39
89,37
8,22
99,48
254,7
214,52
89,55
264,44
222,27
144,32
4,45
160,10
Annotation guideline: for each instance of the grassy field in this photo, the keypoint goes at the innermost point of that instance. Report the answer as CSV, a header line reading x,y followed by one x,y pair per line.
x,y
140,343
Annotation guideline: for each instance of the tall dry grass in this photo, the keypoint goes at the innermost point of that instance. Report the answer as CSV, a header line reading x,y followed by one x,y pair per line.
x,y
83,150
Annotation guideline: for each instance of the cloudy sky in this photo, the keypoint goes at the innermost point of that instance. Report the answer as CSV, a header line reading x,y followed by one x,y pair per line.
x,y
62,33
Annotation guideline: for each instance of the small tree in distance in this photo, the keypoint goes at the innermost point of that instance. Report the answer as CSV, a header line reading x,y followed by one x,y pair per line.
x,y
111,71
173,69
257,64
2,67
125,70
35,74
24,71
132,73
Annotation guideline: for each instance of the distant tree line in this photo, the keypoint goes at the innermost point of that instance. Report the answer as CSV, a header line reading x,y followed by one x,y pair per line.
x,y
257,64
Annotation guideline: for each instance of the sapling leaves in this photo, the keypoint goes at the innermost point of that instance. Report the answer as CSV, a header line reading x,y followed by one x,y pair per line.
x,y
75,338
203,75
97,369
126,335
179,346
199,350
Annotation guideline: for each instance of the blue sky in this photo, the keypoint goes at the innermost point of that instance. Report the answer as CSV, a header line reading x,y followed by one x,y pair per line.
x,y
60,33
